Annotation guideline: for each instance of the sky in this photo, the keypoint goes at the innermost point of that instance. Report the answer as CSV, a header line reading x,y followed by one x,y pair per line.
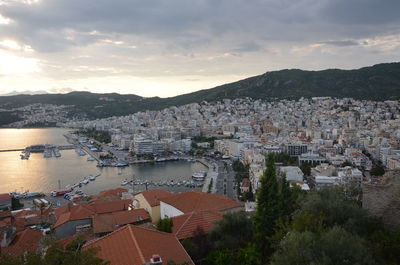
x,y
169,47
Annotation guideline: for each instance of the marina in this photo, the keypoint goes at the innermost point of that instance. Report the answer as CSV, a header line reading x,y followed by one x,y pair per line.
x,y
55,173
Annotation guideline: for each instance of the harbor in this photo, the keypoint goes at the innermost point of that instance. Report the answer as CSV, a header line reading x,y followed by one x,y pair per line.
x,y
53,173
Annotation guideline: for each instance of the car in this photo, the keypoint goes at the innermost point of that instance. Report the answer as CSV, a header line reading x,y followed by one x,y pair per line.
x,y
68,195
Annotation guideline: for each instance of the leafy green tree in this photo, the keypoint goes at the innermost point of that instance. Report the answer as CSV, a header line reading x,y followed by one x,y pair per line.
x,y
233,231
165,225
333,247
340,210
16,204
306,169
385,245
377,171
198,246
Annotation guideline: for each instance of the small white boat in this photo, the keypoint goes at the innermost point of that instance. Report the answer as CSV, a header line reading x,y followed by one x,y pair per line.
x,y
90,158
84,181
124,182
92,177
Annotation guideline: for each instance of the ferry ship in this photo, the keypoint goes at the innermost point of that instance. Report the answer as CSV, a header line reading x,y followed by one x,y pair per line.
x,y
200,176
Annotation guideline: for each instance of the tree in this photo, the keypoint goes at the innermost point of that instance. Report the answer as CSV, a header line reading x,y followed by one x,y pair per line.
x,y
16,204
377,171
306,169
340,210
335,246
165,225
346,164
233,231
198,246
385,245
268,211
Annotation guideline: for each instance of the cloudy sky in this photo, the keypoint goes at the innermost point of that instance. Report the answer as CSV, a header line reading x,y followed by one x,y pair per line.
x,y
169,47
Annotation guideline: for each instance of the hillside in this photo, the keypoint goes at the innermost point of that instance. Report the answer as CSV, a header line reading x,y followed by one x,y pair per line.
x,y
378,82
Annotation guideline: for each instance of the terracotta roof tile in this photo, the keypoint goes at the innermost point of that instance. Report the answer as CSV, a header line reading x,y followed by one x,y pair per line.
x,y
185,226
108,222
133,245
5,214
109,193
111,206
86,211
191,201
27,240
5,197
153,196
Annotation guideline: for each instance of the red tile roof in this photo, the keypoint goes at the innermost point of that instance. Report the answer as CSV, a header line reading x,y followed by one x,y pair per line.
x,y
134,245
153,196
109,193
200,201
5,197
5,214
185,226
108,222
85,211
111,206
27,240
73,212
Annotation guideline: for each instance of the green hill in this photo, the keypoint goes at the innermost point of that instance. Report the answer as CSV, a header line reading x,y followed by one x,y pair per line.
x,y
378,82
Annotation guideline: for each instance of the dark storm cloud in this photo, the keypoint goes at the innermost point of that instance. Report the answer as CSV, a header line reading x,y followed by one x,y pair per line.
x,y
57,25
366,12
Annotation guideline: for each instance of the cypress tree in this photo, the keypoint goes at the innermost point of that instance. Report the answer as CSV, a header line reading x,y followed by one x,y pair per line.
x,y
268,210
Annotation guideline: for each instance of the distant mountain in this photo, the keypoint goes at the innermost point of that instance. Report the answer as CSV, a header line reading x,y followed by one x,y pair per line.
x,y
378,82
27,92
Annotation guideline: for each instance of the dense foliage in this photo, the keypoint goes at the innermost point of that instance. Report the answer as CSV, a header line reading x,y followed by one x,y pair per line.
x,y
325,227
98,135
165,225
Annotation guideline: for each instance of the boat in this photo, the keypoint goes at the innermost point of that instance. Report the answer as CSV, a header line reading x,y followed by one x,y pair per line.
x,y
124,182
56,152
92,177
122,164
25,155
84,181
80,152
100,164
90,158
47,153
200,176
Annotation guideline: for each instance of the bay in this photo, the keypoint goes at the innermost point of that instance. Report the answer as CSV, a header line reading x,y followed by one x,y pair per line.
x,y
47,174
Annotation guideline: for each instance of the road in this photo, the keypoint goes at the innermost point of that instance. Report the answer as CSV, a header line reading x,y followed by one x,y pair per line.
x,y
226,184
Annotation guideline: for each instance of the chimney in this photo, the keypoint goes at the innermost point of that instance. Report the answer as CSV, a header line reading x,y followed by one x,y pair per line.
x,y
155,260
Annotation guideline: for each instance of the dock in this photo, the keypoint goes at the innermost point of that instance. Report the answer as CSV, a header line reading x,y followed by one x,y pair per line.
x,y
60,147
11,150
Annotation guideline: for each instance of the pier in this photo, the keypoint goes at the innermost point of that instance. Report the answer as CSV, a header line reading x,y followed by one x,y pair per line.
x,y
60,147
11,150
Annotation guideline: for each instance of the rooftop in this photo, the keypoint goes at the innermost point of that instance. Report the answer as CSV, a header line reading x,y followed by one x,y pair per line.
x,y
103,223
27,240
185,226
191,201
131,244
153,196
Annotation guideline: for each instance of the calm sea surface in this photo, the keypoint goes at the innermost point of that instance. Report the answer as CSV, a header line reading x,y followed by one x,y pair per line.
x,y
46,174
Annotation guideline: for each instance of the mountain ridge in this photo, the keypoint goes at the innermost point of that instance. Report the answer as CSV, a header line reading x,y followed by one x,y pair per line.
x,y
377,82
